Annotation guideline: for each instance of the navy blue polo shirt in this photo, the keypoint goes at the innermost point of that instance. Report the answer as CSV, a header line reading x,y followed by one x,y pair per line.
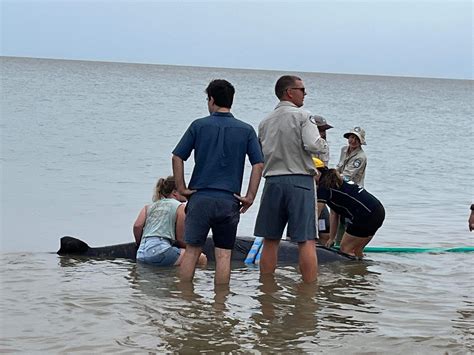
x,y
220,143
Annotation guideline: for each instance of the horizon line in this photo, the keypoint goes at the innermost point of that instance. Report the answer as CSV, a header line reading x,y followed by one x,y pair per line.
x,y
233,68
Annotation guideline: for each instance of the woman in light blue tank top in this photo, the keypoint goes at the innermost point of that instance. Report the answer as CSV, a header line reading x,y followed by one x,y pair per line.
x,y
159,228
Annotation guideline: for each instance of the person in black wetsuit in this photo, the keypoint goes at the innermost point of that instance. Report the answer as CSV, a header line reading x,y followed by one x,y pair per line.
x,y
364,211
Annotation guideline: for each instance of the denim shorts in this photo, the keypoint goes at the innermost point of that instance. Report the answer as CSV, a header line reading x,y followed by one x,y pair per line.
x,y
157,251
287,199
204,213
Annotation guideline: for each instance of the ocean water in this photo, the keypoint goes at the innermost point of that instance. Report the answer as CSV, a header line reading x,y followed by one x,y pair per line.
x,y
82,144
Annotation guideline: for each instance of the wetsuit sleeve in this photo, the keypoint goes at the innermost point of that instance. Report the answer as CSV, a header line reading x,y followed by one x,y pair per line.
x,y
186,144
323,194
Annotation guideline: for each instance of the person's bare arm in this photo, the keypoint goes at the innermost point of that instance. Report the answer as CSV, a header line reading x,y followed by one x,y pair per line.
x,y
138,225
178,172
255,177
321,206
179,232
334,224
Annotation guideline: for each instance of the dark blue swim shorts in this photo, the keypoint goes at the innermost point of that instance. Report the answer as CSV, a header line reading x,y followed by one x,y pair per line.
x,y
204,213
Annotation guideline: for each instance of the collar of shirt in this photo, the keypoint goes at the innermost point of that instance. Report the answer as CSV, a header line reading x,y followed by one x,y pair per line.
x,y
353,152
222,114
285,103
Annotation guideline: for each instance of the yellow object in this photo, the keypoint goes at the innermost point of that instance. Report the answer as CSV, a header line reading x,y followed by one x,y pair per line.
x,y
318,163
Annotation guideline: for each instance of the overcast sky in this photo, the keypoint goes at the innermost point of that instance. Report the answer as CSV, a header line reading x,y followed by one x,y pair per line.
x,y
407,38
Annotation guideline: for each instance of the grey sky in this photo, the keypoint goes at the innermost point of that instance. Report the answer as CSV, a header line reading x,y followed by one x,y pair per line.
x,y
412,38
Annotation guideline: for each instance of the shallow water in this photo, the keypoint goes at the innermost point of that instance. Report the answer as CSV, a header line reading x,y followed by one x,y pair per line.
x,y
389,304
82,145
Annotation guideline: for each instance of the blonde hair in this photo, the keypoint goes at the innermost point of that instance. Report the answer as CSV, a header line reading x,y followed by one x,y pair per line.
x,y
330,179
164,188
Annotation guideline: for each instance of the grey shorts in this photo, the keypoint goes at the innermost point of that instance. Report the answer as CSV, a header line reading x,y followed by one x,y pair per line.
x,y
287,199
204,213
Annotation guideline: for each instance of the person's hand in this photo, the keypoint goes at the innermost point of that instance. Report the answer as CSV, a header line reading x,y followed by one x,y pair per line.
x,y
186,192
471,221
329,243
245,202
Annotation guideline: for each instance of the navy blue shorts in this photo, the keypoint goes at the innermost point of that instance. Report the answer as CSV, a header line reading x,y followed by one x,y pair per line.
x,y
204,213
287,199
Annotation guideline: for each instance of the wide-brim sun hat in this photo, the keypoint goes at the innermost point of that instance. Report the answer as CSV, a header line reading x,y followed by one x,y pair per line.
x,y
359,132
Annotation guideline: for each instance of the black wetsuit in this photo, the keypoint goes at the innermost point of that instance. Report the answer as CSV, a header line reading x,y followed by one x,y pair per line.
x,y
365,213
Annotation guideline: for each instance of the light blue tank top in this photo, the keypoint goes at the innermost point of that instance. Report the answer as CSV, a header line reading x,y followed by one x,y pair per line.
x,y
161,219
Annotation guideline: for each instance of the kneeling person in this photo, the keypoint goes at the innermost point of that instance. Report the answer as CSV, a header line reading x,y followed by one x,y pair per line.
x,y
159,227
363,210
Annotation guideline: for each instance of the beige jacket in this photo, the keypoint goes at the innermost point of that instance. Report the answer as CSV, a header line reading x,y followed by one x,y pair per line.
x,y
288,138
352,166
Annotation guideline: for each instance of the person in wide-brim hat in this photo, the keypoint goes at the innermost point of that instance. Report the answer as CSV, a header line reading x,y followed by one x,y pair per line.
x,y
359,133
353,161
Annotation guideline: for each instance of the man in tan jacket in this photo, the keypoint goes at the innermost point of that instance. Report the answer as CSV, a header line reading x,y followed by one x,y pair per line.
x,y
289,137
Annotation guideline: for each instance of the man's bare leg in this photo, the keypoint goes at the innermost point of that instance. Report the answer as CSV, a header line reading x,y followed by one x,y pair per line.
x,y
222,275
308,260
269,258
188,263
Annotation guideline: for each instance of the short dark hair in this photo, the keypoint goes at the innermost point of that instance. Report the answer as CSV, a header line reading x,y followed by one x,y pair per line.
x,y
222,92
284,83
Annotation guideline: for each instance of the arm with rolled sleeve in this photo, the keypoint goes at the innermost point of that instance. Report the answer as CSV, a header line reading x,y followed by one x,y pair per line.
x,y
340,164
354,168
312,141
358,174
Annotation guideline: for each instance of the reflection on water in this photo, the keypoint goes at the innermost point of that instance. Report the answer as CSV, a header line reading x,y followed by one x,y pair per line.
x,y
59,132
287,318
464,321
348,295
273,313
63,304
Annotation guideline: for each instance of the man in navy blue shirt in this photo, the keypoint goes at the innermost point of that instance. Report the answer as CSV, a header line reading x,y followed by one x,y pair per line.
x,y
220,143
